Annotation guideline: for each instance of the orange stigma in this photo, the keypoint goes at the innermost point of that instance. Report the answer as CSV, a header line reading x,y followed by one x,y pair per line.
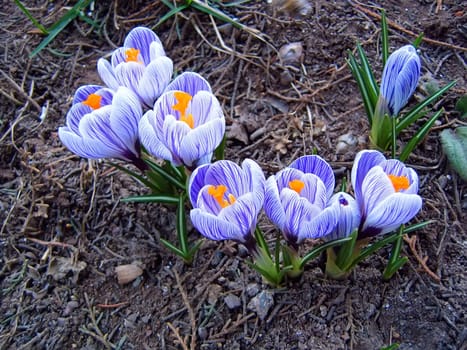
x,y
183,99
297,185
399,183
93,101
131,55
218,192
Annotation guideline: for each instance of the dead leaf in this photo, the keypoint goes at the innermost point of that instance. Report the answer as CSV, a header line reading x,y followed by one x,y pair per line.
x,y
59,267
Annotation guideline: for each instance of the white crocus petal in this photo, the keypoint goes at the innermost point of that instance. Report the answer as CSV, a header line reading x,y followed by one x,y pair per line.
x,y
364,161
272,204
298,210
124,117
376,187
156,50
84,91
240,213
413,180
196,182
118,57
315,190
189,82
154,79
172,135
395,210
202,140
129,74
229,174
75,114
85,147
313,164
213,227
204,107
149,138
141,38
320,225
106,72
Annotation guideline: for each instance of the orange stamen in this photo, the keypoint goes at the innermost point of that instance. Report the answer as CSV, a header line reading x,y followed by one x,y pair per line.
x,y
183,99
297,185
218,192
93,101
131,55
399,182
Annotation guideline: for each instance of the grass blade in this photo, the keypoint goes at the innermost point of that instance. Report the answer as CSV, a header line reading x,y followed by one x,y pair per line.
x,y
417,111
419,136
58,26
31,17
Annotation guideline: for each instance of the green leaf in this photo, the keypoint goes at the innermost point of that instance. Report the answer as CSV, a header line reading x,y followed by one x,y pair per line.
x,y
58,26
414,227
151,198
136,176
318,250
417,112
455,147
181,225
368,77
373,248
461,106
354,68
166,175
395,261
173,11
419,136
31,17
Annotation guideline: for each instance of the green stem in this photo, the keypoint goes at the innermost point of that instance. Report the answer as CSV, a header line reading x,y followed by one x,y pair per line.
x,y
393,137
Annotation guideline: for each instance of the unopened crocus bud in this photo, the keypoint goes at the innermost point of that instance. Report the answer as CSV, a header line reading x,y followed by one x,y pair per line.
x,y
400,78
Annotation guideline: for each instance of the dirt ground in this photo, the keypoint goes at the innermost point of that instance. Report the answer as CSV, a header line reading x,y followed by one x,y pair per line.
x,y
63,229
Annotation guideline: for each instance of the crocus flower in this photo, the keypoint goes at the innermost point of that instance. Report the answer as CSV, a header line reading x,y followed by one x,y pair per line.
x,y
103,124
186,124
400,78
386,193
226,200
297,199
348,217
140,65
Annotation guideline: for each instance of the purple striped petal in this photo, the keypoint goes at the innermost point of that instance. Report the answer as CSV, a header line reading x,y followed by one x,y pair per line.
x,y
201,141
106,72
348,216
375,188
189,82
197,182
124,117
320,225
400,78
364,161
155,78
74,116
395,210
272,203
129,74
141,38
149,138
84,91
213,227
85,147
314,164
298,210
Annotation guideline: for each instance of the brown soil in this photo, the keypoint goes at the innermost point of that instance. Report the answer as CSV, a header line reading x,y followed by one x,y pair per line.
x,y
64,231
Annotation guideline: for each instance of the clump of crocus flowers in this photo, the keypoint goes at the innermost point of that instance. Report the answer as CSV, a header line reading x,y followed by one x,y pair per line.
x,y
170,130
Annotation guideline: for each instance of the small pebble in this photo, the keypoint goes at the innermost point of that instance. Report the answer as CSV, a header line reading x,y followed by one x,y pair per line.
x,y
232,301
252,289
261,304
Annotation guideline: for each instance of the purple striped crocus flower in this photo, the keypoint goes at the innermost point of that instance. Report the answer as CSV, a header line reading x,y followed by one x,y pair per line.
x,y
226,200
297,199
140,65
103,124
348,215
400,78
186,125
386,193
